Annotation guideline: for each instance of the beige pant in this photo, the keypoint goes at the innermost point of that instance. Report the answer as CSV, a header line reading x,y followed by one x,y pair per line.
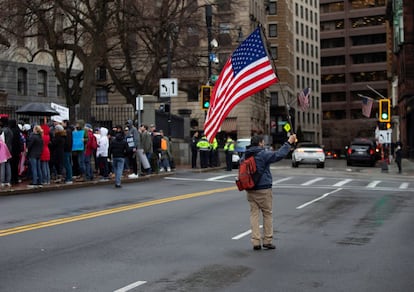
x,y
261,200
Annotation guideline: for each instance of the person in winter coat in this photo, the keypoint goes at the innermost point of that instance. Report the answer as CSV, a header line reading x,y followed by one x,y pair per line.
x,y
67,149
17,148
260,197
34,151
398,156
6,135
58,142
118,149
102,153
45,156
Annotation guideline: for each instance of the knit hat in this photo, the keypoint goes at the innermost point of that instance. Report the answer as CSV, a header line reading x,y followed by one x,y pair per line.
x,y
89,126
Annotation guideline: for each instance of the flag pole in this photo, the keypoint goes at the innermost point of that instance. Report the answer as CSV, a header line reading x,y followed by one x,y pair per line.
x,y
287,107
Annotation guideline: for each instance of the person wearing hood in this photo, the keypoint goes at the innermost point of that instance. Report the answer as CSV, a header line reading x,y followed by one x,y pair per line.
x,y
102,153
118,149
79,140
260,197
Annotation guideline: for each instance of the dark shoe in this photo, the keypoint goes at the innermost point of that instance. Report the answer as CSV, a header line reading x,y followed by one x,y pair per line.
x,y
269,246
257,247
118,186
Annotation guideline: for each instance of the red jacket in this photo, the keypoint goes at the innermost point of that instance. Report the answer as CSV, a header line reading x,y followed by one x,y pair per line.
x,y
45,156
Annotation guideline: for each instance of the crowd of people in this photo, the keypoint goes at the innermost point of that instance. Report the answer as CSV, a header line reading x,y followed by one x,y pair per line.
x,y
57,151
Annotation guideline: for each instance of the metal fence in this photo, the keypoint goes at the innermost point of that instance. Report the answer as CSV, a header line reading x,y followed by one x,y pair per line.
x,y
105,116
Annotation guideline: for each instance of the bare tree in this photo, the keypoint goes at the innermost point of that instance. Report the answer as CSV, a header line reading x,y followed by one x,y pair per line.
x,y
135,40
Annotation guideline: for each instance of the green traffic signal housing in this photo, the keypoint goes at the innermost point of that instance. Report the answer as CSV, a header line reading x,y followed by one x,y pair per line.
x,y
384,110
205,96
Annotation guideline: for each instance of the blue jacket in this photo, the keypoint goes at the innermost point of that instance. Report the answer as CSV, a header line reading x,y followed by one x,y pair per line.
x,y
263,160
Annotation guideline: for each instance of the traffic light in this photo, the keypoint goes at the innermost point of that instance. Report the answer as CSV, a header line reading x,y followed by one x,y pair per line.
x,y
205,96
384,110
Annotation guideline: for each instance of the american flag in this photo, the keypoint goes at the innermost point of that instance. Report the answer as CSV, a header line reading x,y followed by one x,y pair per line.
x,y
366,106
247,71
303,99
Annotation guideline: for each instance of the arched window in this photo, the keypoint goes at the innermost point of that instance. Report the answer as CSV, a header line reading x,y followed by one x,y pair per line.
x,y
22,81
42,83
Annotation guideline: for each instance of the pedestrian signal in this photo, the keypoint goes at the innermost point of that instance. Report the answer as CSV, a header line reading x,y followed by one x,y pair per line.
x,y
205,96
384,110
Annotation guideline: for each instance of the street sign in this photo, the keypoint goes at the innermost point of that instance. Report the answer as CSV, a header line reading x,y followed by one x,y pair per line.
x,y
384,136
139,101
168,87
287,127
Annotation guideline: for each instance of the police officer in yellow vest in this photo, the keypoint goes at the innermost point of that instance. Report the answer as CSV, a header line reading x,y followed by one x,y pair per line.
x,y
204,147
229,149
214,154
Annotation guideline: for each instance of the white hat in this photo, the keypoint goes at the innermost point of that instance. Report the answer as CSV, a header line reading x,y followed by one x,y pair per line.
x,y
20,126
26,127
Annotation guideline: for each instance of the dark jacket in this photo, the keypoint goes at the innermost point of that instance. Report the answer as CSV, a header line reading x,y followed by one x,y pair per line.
x,y
17,144
118,146
263,160
68,141
34,146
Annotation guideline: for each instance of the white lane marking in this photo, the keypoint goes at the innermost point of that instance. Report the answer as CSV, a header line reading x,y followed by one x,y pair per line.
x,y
404,186
373,184
343,182
317,199
220,177
183,178
312,181
282,180
241,235
131,286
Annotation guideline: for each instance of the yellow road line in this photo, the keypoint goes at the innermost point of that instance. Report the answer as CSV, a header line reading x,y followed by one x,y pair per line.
x,y
54,222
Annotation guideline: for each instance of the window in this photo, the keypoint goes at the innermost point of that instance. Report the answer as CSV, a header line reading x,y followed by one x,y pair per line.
x,y
41,83
101,73
22,81
273,53
59,90
274,98
272,8
359,4
101,95
273,30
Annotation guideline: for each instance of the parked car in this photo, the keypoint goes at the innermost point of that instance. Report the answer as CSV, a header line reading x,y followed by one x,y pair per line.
x,y
239,149
362,151
308,153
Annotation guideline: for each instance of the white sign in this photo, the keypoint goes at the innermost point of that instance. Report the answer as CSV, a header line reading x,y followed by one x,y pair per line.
x,y
168,87
62,110
384,136
139,103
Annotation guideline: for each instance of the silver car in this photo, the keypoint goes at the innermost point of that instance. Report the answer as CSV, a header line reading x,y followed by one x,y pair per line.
x,y
308,153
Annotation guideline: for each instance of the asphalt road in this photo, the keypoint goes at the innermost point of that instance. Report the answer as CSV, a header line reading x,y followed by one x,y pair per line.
x,y
336,230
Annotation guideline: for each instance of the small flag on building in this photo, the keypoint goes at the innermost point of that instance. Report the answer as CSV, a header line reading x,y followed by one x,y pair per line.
x,y
247,71
366,106
303,99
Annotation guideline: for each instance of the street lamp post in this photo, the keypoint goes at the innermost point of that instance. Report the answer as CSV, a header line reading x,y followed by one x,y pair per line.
x,y
209,18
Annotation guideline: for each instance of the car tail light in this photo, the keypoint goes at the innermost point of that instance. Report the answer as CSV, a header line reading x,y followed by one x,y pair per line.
x,y
371,152
319,150
349,151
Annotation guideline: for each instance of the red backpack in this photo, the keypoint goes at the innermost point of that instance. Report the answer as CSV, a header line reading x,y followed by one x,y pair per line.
x,y
248,175
92,140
